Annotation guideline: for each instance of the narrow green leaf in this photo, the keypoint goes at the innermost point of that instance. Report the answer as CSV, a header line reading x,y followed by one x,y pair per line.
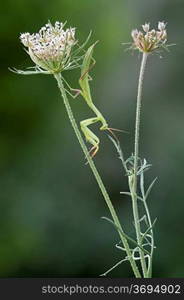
x,y
129,194
116,265
125,235
149,229
149,188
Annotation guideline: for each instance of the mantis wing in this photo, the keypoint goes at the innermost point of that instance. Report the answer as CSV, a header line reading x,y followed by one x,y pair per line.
x,y
84,79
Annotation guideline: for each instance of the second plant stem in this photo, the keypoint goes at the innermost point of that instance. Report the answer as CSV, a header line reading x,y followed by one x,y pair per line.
x,y
97,176
136,159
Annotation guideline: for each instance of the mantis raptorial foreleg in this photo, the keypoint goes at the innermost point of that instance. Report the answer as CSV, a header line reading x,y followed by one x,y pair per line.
x,y
89,135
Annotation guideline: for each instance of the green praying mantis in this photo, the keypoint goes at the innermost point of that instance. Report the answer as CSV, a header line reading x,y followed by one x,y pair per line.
x,y
86,94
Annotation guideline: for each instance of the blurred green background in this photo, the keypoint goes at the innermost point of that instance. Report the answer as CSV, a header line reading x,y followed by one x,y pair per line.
x,y
50,205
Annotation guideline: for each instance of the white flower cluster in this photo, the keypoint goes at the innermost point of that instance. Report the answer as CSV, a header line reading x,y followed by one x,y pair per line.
x,y
51,46
149,40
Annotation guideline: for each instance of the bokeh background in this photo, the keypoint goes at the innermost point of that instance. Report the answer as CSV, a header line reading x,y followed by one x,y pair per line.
x,y
50,205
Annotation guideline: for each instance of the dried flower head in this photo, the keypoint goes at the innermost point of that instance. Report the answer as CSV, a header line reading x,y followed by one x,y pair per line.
x,y
149,40
51,47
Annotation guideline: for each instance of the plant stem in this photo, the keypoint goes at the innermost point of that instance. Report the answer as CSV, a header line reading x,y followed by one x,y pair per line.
x,y
97,176
149,272
136,158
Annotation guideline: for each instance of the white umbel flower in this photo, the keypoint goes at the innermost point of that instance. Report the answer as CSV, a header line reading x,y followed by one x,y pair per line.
x,y
149,40
51,47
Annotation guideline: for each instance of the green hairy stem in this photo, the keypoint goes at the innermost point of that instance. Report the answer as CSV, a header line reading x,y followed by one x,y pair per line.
x,y
133,188
97,176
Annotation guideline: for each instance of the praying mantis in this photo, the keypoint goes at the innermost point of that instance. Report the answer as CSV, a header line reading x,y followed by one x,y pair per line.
x,y
86,94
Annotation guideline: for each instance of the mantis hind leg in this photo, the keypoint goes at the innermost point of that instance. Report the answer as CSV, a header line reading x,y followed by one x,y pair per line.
x,y
89,135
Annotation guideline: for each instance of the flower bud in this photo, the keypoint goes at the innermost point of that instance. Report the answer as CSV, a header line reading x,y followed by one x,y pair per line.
x,y
161,26
146,27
